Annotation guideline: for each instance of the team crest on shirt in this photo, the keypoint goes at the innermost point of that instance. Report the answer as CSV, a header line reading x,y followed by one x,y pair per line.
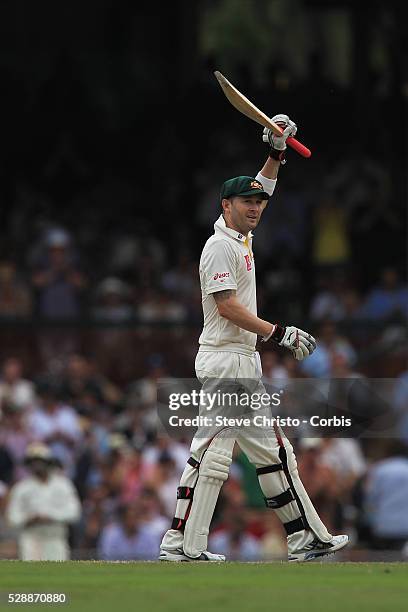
x,y
248,262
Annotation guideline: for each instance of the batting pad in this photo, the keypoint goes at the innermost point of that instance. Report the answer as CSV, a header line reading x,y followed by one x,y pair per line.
x,y
213,472
285,494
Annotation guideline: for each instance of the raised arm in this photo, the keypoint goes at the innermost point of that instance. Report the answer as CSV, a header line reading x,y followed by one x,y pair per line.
x,y
277,151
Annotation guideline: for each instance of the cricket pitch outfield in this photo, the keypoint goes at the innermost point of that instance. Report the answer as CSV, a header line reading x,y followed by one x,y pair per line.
x,y
98,586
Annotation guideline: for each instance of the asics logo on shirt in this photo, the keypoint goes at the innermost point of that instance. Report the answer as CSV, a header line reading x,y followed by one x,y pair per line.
x,y
220,275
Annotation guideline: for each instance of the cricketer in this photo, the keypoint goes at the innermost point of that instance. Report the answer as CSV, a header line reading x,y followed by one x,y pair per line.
x,y
227,351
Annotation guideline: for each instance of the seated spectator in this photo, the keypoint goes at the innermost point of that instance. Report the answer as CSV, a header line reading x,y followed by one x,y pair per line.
x,y
160,307
388,299
81,376
15,296
113,301
272,368
340,366
345,458
164,479
318,478
57,279
182,279
41,506
334,301
151,512
233,538
329,341
178,451
56,424
13,386
127,538
15,436
122,468
386,498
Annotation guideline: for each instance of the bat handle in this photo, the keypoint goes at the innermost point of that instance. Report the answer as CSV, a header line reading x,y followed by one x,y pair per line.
x,y
299,147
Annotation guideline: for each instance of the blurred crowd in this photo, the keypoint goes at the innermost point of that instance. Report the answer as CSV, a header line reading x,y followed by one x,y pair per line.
x,y
87,466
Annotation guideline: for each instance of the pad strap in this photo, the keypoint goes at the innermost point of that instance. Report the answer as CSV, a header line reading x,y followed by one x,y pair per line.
x,y
195,464
268,469
279,500
185,492
296,525
178,523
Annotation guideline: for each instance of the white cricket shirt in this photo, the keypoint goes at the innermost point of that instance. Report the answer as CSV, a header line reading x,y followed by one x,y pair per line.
x,y
227,262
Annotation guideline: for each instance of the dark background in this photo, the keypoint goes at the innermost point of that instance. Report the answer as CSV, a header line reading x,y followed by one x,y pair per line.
x,y
110,111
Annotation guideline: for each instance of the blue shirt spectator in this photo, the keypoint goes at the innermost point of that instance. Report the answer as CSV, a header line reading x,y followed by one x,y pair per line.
x,y
387,498
127,539
388,299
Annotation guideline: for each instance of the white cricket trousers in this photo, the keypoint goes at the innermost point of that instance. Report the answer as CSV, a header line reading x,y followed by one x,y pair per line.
x,y
266,447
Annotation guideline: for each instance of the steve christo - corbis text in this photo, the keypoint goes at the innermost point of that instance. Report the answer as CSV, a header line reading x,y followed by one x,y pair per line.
x,y
257,420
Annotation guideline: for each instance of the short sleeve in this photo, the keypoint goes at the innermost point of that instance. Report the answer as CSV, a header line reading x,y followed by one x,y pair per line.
x,y
219,267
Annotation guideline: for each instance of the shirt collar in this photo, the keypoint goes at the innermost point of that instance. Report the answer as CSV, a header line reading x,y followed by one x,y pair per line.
x,y
219,226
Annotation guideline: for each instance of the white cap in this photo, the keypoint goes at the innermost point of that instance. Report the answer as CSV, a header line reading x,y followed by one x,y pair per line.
x,y
309,443
37,450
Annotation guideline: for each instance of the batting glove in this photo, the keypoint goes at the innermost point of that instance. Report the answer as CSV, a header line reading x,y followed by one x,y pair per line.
x,y
278,143
296,340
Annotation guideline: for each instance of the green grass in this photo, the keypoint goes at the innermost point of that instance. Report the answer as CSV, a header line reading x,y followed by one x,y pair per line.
x,y
118,587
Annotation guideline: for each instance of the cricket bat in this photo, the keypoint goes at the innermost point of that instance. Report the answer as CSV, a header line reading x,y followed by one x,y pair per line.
x,y
246,107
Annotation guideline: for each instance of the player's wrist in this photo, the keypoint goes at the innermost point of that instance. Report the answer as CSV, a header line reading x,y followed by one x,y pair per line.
x,y
278,155
276,333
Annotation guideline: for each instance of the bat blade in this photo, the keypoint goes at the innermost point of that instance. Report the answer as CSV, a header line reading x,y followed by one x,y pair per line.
x,y
247,108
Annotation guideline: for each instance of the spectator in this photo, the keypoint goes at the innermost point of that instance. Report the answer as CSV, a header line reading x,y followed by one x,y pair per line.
x,y
15,437
318,478
81,376
386,498
329,341
41,506
58,280
183,278
17,390
272,368
127,538
332,242
334,301
389,299
178,451
160,306
151,512
15,296
163,480
56,424
344,457
123,469
234,540
113,301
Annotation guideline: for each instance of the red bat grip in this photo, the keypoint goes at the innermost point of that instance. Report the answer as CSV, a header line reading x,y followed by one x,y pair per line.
x,y
299,147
